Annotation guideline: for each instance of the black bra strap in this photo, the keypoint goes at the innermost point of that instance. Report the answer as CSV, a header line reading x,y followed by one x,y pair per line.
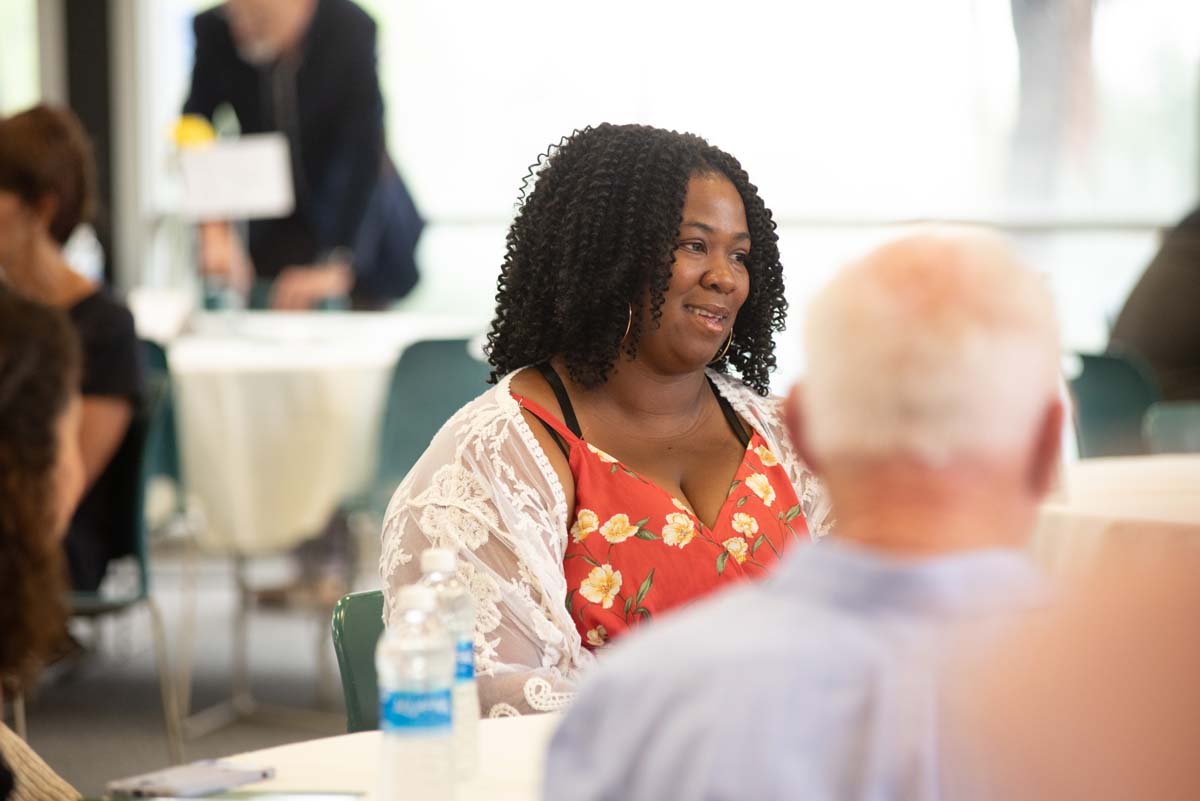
x,y
557,437
564,400
731,416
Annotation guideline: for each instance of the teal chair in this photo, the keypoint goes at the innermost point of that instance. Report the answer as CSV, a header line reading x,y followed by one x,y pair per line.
x,y
163,451
432,379
1112,393
357,625
139,441
1173,427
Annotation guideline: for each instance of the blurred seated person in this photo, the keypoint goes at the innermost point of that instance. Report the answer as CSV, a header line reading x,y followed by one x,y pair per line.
x,y
1102,702
41,477
618,470
1159,321
307,69
930,410
47,187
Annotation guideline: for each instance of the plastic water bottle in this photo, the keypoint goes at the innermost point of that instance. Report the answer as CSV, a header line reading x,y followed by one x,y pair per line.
x,y
458,612
415,665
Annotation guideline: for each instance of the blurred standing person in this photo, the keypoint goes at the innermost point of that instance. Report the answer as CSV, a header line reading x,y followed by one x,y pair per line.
x,y
1159,321
47,188
307,69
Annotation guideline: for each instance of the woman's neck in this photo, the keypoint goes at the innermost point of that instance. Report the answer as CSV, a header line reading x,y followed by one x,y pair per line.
x,y
44,275
663,404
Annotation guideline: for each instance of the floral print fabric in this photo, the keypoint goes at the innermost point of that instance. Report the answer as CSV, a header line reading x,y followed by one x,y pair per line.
x,y
635,551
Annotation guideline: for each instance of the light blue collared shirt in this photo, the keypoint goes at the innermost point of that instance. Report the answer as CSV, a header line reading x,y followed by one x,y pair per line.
x,y
818,683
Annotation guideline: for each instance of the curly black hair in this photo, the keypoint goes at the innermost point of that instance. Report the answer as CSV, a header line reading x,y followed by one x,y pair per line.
x,y
39,373
597,232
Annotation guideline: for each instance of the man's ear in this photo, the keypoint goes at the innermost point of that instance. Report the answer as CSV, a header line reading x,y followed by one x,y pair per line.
x,y
793,418
1046,464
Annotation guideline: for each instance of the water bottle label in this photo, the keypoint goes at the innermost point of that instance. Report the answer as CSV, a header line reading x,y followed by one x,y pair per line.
x,y
464,653
410,711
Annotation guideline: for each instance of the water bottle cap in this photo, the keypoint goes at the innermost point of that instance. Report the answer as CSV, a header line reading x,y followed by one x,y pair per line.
x,y
438,560
417,596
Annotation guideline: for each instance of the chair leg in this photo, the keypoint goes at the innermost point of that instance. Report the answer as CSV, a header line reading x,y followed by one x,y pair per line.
x,y
19,722
170,709
187,626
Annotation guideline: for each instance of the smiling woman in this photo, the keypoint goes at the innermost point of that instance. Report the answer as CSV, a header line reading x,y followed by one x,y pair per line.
x,y
626,473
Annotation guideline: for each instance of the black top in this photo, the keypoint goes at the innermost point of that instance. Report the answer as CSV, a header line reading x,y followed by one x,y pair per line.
x,y
1161,318
112,368
327,102
568,410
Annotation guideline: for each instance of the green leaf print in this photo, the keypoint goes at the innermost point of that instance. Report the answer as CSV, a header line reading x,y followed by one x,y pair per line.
x,y
642,522
742,501
792,513
721,560
570,600
628,605
614,469
758,543
646,534
645,588
628,472
584,557
643,611
732,487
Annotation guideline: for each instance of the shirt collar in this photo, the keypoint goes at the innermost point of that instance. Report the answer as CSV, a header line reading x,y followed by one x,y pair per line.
x,y
864,579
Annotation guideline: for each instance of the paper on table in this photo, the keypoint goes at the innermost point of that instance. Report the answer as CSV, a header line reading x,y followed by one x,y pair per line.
x,y
249,177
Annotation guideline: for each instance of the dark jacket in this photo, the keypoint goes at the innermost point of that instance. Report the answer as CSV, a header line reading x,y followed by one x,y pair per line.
x,y
348,194
1161,318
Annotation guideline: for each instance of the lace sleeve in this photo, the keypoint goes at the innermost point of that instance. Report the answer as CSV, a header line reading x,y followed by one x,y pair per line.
x,y
485,489
766,416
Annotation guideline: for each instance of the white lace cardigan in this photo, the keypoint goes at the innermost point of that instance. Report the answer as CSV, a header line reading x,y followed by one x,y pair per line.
x,y
485,489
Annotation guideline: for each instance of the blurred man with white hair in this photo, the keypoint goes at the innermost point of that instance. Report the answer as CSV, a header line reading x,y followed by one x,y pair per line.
x,y
931,409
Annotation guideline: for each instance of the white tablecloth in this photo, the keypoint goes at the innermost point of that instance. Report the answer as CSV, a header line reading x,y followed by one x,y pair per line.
x,y
511,758
278,415
1148,503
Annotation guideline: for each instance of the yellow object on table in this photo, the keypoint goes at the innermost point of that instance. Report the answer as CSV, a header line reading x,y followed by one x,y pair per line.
x,y
192,130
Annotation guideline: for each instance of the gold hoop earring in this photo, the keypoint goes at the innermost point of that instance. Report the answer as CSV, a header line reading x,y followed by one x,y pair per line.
x,y
724,350
629,324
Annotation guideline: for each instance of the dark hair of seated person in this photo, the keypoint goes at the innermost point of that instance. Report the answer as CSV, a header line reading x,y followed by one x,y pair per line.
x,y
597,232
39,373
44,152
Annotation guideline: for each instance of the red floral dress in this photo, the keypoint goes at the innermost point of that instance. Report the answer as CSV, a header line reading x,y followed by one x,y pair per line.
x,y
635,550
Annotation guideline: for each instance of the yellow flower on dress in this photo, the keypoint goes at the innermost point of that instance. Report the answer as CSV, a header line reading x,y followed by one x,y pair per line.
x,y
597,636
745,524
679,530
766,456
604,457
601,585
618,529
585,523
737,548
761,486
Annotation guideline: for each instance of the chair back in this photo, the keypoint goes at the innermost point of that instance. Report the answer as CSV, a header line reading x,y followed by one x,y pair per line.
x,y
1173,427
162,458
129,515
357,626
432,380
1112,393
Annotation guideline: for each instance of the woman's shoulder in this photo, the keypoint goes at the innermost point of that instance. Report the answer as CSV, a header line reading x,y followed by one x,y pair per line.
x,y
101,315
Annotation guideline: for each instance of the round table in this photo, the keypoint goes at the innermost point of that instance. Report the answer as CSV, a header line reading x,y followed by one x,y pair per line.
x,y
278,415
1143,504
511,758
